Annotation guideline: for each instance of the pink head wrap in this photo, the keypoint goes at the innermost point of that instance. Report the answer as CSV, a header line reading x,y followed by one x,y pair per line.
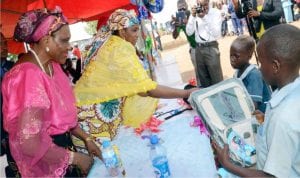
x,y
33,25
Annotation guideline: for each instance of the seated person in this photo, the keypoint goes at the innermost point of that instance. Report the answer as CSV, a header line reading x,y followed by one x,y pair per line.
x,y
278,138
114,86
38,103
180,25
241,51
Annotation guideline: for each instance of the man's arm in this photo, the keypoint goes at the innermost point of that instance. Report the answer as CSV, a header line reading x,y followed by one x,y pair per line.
x,y
214,24
176,31
223,157
190,26
275,14
246,172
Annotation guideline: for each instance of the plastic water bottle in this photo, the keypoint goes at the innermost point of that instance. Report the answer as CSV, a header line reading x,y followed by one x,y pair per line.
x,y
158,156
110,159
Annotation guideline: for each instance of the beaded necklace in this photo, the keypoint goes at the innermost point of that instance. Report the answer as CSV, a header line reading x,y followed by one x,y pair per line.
x,y
39,62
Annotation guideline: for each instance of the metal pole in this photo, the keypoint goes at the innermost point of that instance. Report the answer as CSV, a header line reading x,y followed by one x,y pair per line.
x,y
45,4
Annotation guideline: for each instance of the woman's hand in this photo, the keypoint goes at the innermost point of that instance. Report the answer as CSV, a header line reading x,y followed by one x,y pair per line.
x,y
93,149
191,90
222,154
83,161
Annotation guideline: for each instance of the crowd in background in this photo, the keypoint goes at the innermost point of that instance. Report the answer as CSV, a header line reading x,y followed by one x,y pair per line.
x,y
42,110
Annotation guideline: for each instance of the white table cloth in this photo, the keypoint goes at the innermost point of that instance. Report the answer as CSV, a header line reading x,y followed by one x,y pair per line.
x,y
189,152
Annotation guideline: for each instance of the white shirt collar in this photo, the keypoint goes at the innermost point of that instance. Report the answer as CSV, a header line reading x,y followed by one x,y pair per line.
x,y
279,95
245,73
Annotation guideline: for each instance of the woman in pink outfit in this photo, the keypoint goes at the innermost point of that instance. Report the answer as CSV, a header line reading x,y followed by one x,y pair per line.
x,y
38,102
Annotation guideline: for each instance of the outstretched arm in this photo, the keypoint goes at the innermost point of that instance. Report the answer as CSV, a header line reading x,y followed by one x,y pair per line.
x,y
167,92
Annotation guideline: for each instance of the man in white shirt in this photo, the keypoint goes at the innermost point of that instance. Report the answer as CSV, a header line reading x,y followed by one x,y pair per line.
x,y
206,23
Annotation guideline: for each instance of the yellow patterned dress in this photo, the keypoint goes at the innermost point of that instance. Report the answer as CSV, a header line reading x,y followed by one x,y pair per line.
x,y
106,93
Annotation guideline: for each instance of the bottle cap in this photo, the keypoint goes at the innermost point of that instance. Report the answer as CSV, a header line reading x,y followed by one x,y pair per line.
x,y
154,139
106,144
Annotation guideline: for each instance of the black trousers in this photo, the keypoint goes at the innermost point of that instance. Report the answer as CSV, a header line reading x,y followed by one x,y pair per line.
x,y
208,64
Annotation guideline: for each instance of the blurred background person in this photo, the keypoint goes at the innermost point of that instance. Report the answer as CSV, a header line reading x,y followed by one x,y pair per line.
x,y
70,71
157,36
180,21
225,16
236,22
205,23
288,10
265,13
76,52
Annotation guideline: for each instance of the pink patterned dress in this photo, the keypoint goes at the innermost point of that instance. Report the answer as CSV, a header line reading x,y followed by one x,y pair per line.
x,y
37,106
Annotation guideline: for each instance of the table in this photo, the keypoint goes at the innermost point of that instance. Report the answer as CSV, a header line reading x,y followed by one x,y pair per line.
x,y
189,152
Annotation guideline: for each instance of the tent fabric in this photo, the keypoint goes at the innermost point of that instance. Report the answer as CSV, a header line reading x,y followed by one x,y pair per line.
x,y
75,10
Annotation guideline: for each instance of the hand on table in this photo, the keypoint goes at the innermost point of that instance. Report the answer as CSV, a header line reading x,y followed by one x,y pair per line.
x,y
83,161
93,149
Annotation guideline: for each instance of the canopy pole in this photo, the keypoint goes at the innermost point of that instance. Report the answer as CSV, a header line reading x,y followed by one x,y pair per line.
x,y
45,4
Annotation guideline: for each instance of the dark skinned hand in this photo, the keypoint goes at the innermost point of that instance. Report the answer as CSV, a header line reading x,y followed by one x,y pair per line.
x,y
253,13
83,161
260,116
222,154
93,149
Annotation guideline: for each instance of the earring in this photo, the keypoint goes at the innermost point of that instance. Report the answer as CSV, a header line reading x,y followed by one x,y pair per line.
x,y
47,49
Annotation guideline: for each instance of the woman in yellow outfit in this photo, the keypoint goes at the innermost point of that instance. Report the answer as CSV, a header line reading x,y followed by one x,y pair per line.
x,y
114,88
